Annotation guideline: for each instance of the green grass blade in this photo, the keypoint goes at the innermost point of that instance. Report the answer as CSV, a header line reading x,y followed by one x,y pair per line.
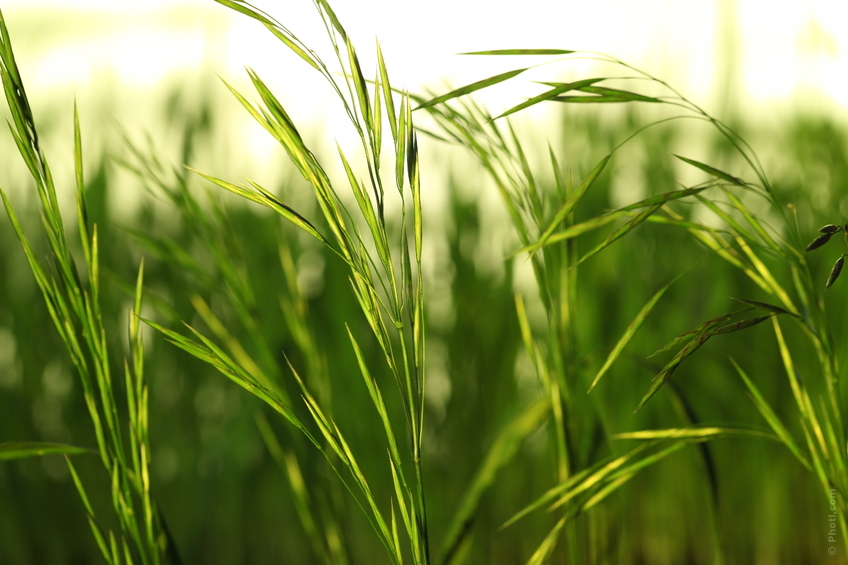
x,y
705,432
620,232
663,376
270,202
469,88
550,95
569,205
771,417
521,52
631,330
548,545
713,171
25,449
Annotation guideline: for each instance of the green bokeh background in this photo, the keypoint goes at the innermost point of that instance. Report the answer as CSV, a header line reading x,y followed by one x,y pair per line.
x,y
226,500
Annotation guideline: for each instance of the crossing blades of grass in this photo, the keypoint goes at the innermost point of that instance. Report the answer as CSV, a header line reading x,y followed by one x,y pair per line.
x,y
469,88
719,174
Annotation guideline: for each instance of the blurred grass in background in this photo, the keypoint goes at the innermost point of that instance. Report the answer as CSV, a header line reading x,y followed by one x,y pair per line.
x,y
226,499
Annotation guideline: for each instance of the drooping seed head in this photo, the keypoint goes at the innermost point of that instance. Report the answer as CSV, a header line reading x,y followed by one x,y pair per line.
x,y
830,228
834,272
819,241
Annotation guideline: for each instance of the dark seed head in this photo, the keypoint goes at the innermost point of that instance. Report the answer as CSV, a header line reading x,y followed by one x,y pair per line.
x,y
834,272
819,241
830,228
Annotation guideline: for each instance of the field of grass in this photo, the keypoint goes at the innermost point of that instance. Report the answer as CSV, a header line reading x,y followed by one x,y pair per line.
x,y
339,370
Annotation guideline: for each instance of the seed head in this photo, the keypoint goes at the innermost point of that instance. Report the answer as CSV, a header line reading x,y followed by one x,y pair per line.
x,y
819,241
834,272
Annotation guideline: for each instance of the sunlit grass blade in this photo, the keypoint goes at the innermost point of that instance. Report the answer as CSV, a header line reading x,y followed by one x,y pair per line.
x,y
605,95
705,432
547,546
270,202
521,52
246,9
599,221
550,95
586,478
569,205
754,222
469,88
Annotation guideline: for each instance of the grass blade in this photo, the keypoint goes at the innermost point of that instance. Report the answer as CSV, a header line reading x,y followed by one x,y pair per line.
x,y
469,88
25,449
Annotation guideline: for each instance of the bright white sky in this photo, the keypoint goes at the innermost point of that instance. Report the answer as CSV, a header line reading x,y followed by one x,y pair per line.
x,y
785,43
793,53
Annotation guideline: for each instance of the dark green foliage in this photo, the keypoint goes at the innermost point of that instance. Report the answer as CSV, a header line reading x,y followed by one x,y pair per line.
x,y
330,448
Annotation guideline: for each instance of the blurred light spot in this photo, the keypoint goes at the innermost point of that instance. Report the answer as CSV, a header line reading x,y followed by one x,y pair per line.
x,y
437,383
47,417
210,400
438,280
310,274
526,379
165,463
56,468
57,381
10,375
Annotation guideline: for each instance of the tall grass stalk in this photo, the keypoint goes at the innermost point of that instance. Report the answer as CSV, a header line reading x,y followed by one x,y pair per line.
x,y
549,235
74,306
553,218
385,272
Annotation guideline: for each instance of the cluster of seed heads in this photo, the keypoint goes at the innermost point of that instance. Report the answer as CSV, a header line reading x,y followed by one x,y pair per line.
x,y
827,232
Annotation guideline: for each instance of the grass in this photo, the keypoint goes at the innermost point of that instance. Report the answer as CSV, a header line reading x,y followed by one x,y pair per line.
x,y
339,430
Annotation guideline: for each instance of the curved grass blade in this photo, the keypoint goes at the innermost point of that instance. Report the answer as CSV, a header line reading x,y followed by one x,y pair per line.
x,y
772,418
548,544
569,205
606,95
550,95
663,376
743,324
473,87
521,52
594,223
266,199
765,306
713,171
620,232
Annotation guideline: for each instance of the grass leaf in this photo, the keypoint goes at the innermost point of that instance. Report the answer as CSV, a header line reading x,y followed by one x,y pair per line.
x,y
469,88
713,171
25,449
